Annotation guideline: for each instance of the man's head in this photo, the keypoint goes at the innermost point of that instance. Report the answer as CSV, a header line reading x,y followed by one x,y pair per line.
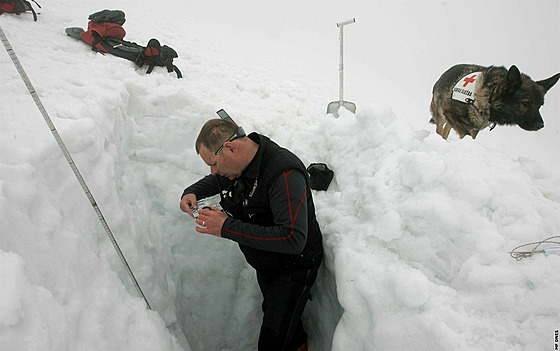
x,y
223,146
214,133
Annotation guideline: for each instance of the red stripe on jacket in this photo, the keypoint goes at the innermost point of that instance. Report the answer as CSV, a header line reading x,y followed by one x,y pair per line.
x,y
292,218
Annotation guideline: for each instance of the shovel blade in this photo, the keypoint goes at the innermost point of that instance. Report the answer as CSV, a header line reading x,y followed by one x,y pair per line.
x,y
334,106
74,32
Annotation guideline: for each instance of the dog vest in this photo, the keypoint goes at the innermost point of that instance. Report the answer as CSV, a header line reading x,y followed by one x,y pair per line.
x,y
464,90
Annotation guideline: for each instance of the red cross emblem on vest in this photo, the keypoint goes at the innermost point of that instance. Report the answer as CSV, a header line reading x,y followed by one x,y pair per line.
x,y
468,80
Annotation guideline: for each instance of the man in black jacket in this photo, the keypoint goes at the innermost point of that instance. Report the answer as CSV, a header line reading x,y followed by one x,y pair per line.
x,y
269,211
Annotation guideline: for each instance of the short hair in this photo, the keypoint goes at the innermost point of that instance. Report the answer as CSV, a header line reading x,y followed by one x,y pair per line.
x,y
214,133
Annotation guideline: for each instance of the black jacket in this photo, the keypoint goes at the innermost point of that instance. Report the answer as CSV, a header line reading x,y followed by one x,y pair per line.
x,y
270,209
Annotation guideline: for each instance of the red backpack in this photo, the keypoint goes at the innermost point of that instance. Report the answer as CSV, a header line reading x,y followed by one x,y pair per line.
x,y
104,24
105,35
18,7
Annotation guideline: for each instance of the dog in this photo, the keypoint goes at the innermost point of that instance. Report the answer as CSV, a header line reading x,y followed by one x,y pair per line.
x,y
469,98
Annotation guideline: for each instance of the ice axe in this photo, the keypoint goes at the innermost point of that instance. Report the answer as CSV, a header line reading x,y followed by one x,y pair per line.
x,y
335,105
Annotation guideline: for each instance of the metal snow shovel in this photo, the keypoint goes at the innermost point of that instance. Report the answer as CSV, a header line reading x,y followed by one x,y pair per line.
x,y
335,105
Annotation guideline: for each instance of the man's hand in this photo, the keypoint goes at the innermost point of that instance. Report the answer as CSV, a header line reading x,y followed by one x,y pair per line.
x,y
188,201
211,221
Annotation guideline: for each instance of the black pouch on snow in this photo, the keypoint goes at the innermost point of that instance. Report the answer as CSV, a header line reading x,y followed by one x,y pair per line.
x,y
320,176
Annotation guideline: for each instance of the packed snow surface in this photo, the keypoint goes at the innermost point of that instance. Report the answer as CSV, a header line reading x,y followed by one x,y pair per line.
x,y
416,229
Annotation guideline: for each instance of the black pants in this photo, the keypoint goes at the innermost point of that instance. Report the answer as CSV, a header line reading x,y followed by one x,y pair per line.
x,y
285,296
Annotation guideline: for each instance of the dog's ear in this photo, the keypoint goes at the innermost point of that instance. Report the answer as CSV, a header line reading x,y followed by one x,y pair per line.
x,y
513,80
549,83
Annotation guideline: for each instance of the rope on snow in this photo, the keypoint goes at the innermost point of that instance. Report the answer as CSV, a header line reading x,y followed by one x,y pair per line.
x,y
548,250
51,126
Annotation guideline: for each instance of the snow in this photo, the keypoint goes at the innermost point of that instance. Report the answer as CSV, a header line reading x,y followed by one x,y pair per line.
x,y
417,230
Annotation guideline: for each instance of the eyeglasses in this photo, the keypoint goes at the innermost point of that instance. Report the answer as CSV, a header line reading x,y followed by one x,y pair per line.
x,y
238,134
